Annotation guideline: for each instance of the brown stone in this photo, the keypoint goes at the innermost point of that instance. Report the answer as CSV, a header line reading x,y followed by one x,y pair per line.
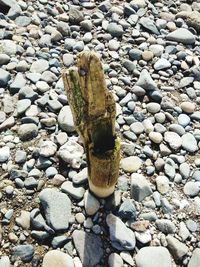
x,y
140,226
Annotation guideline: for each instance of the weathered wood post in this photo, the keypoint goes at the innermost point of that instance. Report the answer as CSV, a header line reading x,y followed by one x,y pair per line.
x,y
93,109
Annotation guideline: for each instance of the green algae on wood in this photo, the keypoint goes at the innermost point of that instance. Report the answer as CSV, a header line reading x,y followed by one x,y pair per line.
x,y
94,111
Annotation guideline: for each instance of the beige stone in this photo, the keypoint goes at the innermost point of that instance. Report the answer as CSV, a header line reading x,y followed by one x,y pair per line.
x,y
56,258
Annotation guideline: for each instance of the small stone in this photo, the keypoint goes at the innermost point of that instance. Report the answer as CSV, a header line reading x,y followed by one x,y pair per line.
x,y
153,257
4,77
189,143
147,55
4,154
27,131
187,107
115,29
24,219
162,183
146,82
183,231
177,248
173,139
191,189
114,260
47,149
162,64
149,25
91,203
122,238
75,192
127,210
57,258
155,137
153,107
39,66
65,119
131,164
68,60
24,252
181,35
166,226
140,188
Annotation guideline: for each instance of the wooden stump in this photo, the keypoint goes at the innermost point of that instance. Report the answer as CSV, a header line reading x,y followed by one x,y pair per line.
x,y
93,109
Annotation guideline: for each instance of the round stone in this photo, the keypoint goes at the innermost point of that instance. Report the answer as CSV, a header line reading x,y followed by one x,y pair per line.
x,y
147,55
131,164
155,137
57,258
153,107
187,107
162,183
191,189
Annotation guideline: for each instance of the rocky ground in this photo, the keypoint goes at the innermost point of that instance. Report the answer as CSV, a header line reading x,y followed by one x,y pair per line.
x,y
150,53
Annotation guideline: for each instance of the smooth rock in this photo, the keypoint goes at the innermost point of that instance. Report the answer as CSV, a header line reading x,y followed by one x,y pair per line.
x,y
87,246
114,260
91,204
122,238
27,131
153,257
177,248
162,183
140,187
189,143
65,119
182,36
4,154
57,258
57,213
24,252
131,164
195,259
146,82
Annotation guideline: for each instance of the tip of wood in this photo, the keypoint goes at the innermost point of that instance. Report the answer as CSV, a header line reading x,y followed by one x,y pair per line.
x,y
101,192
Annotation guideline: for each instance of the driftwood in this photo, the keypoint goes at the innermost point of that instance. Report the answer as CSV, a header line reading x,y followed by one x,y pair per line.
x,y
93,109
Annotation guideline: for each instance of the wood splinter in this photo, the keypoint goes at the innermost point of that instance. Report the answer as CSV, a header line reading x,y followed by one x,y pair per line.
x,y
93,109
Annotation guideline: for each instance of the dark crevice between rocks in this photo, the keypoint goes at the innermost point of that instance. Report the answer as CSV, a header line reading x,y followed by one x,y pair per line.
x,y
4,8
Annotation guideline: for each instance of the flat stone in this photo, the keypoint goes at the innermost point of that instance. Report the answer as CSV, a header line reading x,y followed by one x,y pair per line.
x,y
140,187
116,30
24,219
153,107
165,226
23,105
131,164
57,258
65,119
24,252
122,238
127,210
189,143
87,245
162,64
177,248
91,204
75,192
173,139
156,137
153,257
57,213
39,66
149,25
23,21
187,107
182,36
27,131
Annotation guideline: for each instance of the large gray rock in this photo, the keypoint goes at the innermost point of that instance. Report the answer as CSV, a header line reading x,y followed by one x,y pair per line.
x,y
182,36
65,119
89,247
57,208
140,187
122,238
39,66
177,248
153,257
195,259
166,226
